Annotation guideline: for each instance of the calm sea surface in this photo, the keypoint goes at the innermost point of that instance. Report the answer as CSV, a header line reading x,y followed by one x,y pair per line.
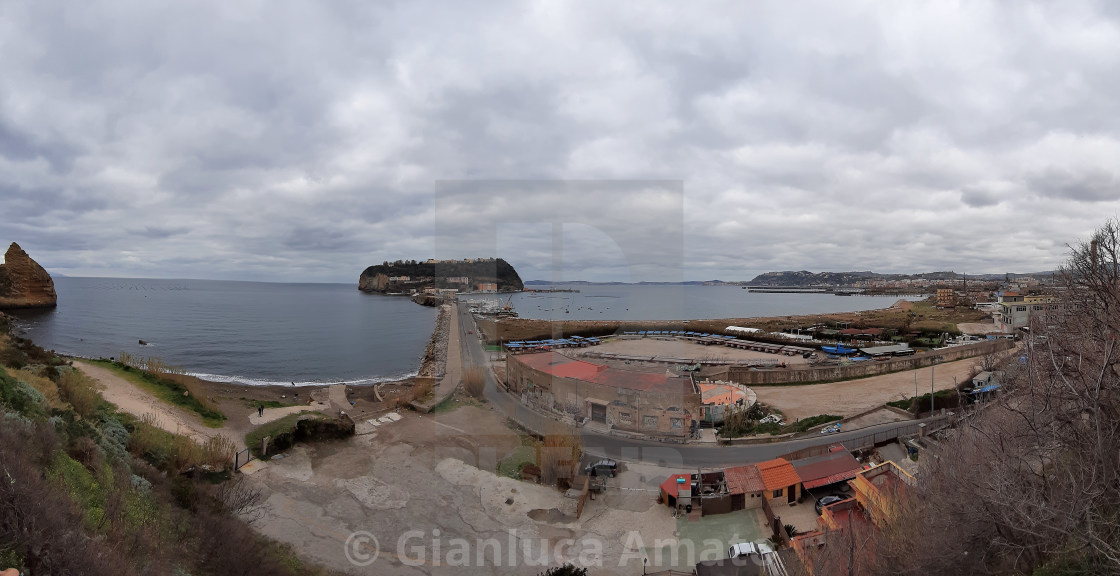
x,y
677,302
262,333
250,332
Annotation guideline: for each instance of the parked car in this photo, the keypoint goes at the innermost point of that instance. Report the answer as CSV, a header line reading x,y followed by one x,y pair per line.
x,y
604,467
742,549
826,501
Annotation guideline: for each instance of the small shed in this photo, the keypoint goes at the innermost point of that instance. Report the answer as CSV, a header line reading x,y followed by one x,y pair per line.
x,y
745,485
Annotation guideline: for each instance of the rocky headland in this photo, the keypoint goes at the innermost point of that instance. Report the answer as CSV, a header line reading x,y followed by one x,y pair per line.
x,y
24,283
411,276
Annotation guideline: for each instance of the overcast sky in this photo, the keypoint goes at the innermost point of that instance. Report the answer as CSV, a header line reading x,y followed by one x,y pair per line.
x,y
303,141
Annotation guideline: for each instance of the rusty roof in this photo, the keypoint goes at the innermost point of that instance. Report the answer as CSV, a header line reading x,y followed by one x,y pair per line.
x,y
778,473
744,479
827,468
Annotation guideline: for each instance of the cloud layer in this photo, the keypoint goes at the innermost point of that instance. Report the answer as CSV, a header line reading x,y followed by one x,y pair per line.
x,y
305,140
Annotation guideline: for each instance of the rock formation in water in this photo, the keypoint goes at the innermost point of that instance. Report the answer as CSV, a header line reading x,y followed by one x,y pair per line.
x,y
24,283
406,277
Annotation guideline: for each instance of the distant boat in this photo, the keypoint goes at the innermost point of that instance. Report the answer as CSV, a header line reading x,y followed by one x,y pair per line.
x,y
837,349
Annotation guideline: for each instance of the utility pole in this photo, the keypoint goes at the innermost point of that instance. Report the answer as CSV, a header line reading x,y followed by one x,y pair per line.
x,y
931,367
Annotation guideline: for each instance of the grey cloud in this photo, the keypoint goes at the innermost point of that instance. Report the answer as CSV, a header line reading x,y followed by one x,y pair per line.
x,y
160,232
980,198
1093,185
308,140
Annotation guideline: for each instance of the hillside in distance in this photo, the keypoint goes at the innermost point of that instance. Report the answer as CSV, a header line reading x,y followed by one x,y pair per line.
x,y
466,275
804,278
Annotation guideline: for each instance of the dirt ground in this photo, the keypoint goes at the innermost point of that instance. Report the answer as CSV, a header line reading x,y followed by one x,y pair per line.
x,y
428,475
685,349
137,402
239,403
881,416
855,396
980,328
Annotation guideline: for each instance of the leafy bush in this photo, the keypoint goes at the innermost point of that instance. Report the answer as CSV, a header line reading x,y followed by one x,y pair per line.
x,y
906,404
21,397
114,437
287,431
76,389
807,423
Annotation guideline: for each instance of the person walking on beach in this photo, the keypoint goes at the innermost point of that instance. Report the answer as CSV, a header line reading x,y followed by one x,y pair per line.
x,y
260,410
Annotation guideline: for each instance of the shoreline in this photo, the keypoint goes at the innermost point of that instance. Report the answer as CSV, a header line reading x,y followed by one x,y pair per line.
x,y
434,359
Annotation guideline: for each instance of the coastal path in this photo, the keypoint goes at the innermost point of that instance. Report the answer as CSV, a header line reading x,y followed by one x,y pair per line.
x,y
647,451
131,399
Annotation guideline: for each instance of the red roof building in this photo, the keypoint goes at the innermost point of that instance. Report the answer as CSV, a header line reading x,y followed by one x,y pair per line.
x,y
778,473
826,469
780,479
744,480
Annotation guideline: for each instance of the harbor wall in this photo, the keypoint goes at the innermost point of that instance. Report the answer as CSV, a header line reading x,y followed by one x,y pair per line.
x,y
749,377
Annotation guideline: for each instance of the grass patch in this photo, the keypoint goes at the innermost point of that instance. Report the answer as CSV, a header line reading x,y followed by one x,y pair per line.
x,y
267,403
807,423
88,492
447,405
275,429
167,390
526,453
902,404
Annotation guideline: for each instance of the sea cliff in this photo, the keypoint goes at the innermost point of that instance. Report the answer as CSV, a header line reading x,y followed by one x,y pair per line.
x,y
24,283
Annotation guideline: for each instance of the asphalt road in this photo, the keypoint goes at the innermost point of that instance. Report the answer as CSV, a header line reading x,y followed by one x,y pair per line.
x,y
631,450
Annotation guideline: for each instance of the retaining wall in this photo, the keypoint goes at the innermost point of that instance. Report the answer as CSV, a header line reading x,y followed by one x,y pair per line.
x,y
861,369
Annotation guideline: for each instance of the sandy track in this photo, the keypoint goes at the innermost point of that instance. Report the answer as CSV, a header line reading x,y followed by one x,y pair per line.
x,y
855,396
131,399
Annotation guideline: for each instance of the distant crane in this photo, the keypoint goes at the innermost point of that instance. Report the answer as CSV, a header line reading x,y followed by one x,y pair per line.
x,y
508,305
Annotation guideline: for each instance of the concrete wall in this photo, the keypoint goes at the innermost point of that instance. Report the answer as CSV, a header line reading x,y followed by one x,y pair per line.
x,y
863,369
778,502
650,413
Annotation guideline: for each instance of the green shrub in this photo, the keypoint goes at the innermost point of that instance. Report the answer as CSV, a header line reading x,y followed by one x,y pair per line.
x,y
902,404
85,490
114,437
21,397
287,431
807,423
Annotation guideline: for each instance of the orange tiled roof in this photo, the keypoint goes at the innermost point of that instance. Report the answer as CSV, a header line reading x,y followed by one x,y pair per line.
x,y
778,473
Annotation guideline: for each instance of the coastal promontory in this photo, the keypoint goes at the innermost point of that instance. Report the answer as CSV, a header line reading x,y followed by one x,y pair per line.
x,y
469,275
24,283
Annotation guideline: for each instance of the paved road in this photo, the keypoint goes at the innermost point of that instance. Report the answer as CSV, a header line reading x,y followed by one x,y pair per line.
x,y
630,450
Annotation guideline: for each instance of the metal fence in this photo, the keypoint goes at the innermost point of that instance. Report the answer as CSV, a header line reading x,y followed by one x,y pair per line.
x,y
242,458
871,440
